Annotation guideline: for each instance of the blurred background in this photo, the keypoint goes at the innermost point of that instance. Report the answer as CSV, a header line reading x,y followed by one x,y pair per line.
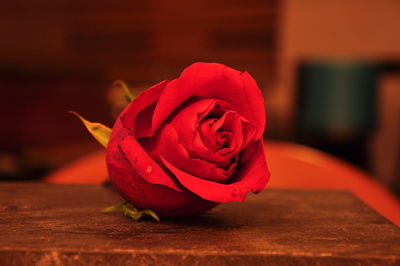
x,y
329,71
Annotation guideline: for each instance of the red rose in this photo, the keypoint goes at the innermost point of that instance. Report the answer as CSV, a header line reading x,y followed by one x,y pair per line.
x,y
183,146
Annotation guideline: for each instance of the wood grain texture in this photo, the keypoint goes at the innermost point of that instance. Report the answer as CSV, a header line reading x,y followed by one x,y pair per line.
x,y
46,224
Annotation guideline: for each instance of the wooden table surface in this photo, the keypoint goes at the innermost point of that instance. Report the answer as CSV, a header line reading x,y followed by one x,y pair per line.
x,y
46,224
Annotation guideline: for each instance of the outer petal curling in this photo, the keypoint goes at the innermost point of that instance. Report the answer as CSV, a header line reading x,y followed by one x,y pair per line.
x,y
144,165
252,177
213,81
166,202
145,99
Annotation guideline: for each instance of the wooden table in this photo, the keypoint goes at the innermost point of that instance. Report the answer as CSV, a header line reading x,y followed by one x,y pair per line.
x,y
45,224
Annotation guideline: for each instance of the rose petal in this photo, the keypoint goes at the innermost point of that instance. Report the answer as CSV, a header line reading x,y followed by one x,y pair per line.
x,y
233,124
204,129
203,152
253,177
225,134
170,147
166,202
144,165
143,101
249,133
187,118
213,81
143,121
187,121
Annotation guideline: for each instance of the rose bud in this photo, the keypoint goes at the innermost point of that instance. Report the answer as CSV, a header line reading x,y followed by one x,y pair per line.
x,y
183,146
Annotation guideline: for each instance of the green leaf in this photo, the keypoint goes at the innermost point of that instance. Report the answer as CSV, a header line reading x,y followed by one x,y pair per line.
x,y
99,131
130,211
128,93
152,214
112,208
